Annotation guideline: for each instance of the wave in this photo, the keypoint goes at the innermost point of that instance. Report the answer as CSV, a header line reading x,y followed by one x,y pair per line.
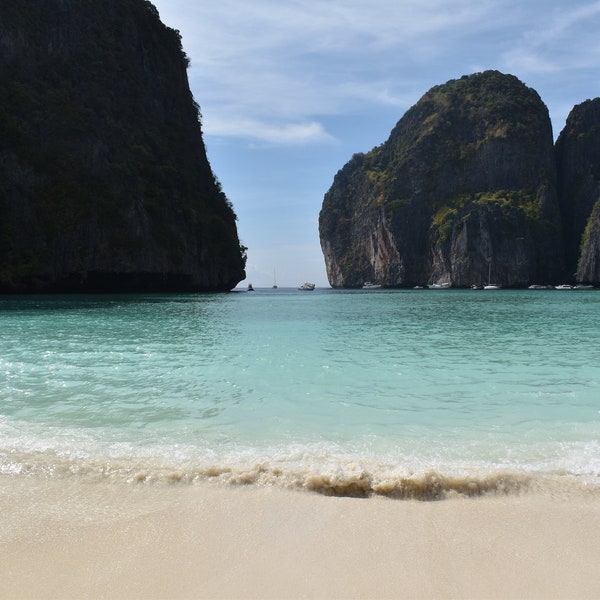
x,y
345,478
359,469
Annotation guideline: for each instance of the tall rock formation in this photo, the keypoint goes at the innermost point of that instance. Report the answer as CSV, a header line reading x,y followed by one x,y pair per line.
x,y
104,180
578,161
463,190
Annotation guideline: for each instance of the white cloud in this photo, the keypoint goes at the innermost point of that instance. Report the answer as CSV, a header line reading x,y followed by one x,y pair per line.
x,y
561,22
270,133
562,39
281,64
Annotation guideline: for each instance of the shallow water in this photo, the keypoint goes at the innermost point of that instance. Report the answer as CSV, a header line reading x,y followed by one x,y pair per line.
x,y
405,393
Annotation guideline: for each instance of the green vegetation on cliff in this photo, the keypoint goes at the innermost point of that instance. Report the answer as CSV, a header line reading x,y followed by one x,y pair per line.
x,y
104,180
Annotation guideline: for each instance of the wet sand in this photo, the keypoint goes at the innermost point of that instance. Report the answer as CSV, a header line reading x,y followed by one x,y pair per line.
x,y
70,539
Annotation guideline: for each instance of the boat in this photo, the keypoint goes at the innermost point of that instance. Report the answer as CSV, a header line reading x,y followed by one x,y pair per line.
x,y
583,286
250,288
369,285
274,280
489,285
439,286
307,287
477,286
535,286
564,286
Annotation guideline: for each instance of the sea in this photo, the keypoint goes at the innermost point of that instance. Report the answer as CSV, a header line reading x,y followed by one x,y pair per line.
x,y
409,394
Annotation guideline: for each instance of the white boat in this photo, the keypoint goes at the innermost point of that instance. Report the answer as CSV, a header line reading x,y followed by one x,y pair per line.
x,y
583,286
439,286
488,285
307,287
368,285
535,286
564,286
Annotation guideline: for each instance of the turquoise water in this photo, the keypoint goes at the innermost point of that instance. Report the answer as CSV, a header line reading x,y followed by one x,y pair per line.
x,y
406,393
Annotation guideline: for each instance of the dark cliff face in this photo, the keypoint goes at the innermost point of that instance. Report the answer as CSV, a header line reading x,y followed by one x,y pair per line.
x,y
462,191
578,163
104,180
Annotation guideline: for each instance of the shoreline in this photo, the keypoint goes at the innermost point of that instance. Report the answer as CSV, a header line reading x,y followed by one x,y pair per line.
x,y
73,539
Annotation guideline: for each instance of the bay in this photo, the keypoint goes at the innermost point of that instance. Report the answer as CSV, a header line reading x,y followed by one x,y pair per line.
x,y
396,392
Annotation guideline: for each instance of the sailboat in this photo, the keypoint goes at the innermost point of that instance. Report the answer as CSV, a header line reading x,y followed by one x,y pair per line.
x,y
489,285
274,280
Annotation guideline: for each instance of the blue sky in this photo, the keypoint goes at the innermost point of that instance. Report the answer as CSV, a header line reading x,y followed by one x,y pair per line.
x,y
289,90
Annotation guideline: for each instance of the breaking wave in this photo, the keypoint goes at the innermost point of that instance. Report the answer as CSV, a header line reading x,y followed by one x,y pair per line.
x,y
347,478
359,470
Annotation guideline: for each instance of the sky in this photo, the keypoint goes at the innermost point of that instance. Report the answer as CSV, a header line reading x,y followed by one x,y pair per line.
x,y
289,90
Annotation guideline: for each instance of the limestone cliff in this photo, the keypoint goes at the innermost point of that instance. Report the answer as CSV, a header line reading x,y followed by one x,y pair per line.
x,y
588,267
463,190
104,180
578,160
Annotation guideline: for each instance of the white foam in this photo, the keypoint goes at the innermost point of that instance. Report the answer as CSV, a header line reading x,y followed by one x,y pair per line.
x,y
324,467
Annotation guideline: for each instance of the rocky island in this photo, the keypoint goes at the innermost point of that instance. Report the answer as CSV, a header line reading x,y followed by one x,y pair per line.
x,y
467,190
105,185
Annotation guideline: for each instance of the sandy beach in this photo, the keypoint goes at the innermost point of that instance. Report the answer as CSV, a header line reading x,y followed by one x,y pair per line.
x,y
73,539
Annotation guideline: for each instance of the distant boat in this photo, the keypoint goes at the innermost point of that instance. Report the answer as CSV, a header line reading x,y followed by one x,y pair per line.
x,y
274,280
583,286
564,286
439,286
307,287
489,285
535,286
477,286
250,288
369,285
